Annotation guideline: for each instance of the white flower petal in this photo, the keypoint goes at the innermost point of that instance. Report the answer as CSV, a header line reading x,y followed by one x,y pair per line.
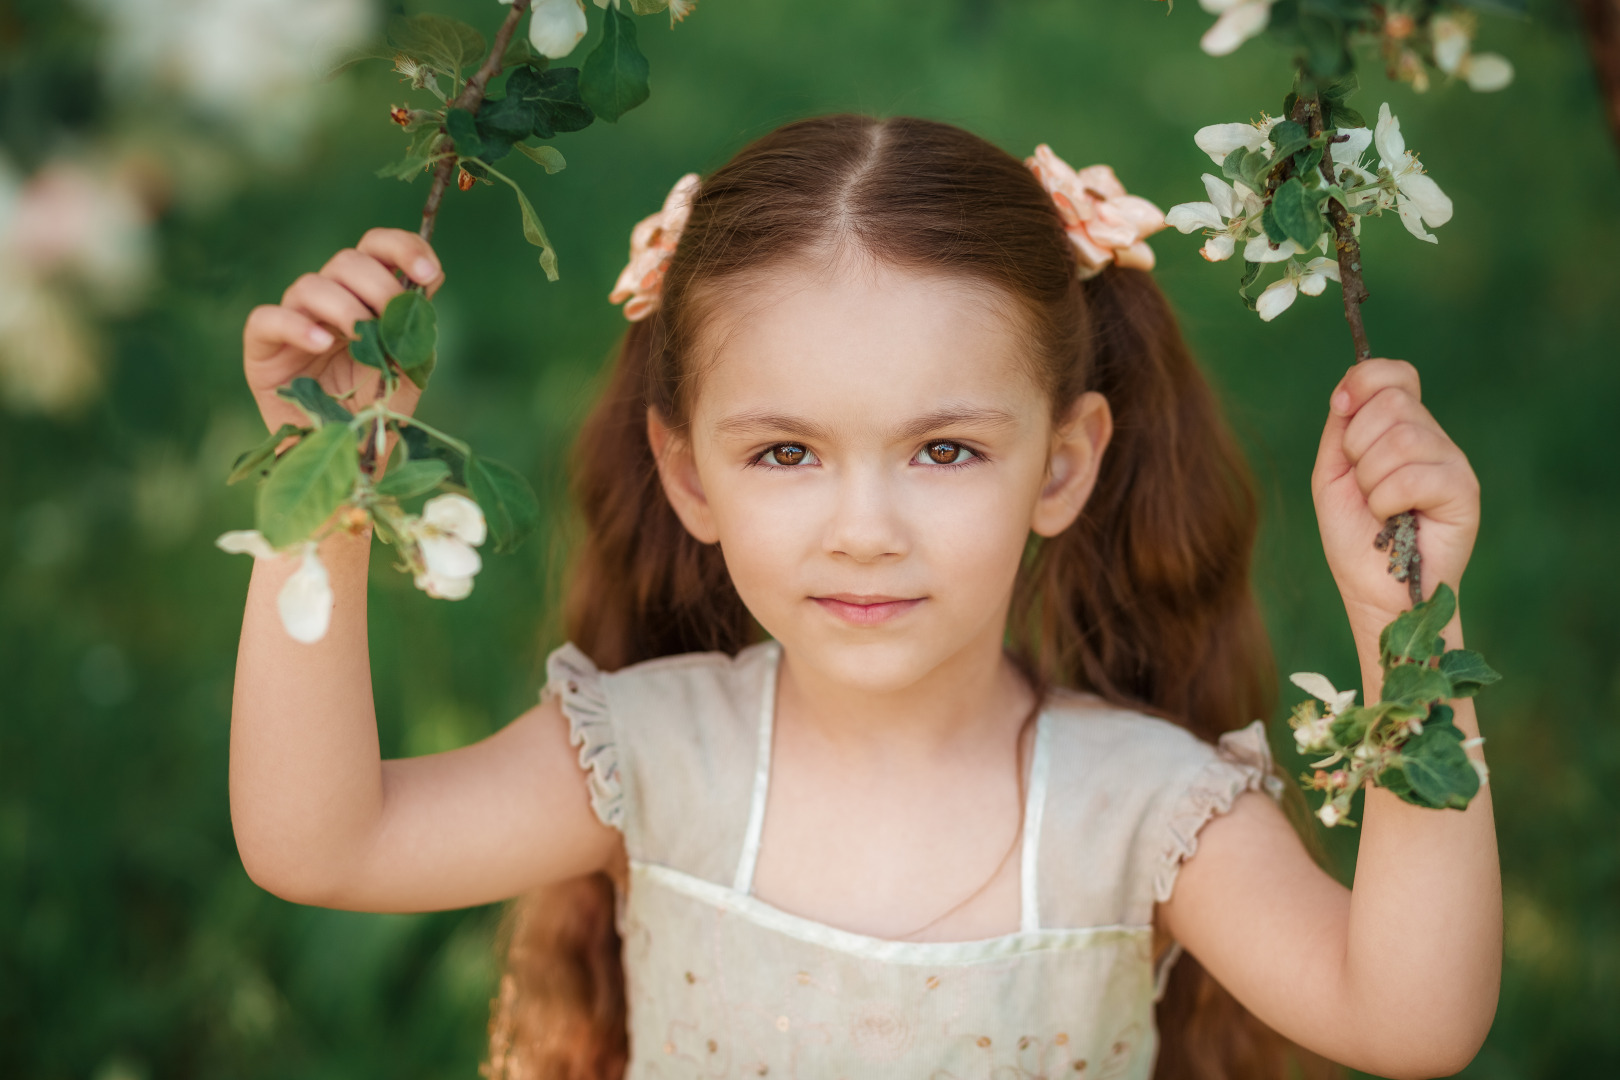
x,y
444,587
1421,190
1190,216
1277,298
456,515
1451,43
246,542
1349,152
1218,140
1222,196
1259,250
1218,248
448,556
1413,220
1314,684
1236,25
1312,284
1488,71
1328,268
1387,137
305,600
1329,814
556,26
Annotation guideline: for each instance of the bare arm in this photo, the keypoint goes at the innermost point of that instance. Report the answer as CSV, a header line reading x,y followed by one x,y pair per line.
x,y
1398,976
319,817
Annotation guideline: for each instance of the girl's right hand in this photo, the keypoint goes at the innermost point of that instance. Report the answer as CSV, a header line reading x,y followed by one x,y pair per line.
x,y
309,331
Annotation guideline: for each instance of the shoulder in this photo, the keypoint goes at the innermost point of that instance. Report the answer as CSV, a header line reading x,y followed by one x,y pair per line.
x,y
1132,791
666,740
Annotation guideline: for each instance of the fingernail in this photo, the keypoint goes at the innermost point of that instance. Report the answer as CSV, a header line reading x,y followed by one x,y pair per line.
x,y
424,270
1341,402
321,339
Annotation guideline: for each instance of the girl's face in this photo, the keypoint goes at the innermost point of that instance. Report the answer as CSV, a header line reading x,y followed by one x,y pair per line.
x,y
870,451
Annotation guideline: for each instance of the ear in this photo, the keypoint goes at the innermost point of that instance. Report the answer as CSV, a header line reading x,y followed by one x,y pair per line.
x,y
1071,472
677,471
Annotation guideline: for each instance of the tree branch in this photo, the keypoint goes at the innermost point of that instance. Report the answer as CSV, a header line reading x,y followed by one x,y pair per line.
x,y
1602,21
470,98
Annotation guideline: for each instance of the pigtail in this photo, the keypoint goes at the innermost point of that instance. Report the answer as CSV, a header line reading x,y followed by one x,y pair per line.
x,y
1146,600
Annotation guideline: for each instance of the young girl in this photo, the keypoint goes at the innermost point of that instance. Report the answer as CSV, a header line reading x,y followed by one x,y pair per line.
x,y
912,649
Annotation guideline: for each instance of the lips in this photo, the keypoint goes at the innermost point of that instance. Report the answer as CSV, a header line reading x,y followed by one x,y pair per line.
x,y
858,610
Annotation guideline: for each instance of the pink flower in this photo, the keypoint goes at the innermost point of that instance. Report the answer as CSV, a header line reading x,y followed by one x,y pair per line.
x,y
652,242
1106,224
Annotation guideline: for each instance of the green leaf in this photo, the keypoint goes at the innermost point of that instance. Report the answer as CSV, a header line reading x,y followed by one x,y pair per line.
x,y
548,157
533,231
368,349
1295,213
317,404
1346,117
648,7
1273,227
1415,634
1468,672
613,79
554,97
506,119
420,446
260,459
1351,724
1415,684
1289,138
1232,164
410,333
1251,274
1436,767
412,478
312,480
1327,52
472,141
507,500
1341,88
444,44
1305,166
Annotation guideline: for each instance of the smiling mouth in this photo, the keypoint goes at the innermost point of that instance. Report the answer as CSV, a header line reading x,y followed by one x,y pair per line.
x,y
865,610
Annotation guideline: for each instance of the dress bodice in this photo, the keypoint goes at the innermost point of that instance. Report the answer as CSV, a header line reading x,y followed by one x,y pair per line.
x,y
722,984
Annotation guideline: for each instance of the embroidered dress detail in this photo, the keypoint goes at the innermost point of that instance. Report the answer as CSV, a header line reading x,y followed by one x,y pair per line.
x,y
573,679
720,983
1243,764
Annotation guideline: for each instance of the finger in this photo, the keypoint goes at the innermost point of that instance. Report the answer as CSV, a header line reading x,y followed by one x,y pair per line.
x,y
1400,445
1365,379
324,300
271,327
364,276
1388,408
1433,490
404,251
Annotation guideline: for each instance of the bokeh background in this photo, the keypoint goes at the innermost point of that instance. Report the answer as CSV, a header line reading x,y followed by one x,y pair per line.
x,y
167,164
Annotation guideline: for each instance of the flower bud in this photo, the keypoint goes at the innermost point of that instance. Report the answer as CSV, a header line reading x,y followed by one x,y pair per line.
x,y
400,115
465,180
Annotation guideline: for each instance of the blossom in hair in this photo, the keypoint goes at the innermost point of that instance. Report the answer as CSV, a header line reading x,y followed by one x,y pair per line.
x,y
1106,224
652,242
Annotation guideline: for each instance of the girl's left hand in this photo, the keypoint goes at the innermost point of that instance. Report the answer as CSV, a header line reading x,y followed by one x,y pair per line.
x,y
1383,453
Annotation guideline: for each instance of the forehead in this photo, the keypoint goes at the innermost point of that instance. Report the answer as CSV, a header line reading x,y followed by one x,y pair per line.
x,y
862,343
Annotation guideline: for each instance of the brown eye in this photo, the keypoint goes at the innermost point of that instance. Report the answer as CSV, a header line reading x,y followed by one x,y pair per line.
x,y
945,453
787,454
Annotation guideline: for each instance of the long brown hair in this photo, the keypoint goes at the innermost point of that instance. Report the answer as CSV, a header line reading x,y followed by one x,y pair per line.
x,y
1145,600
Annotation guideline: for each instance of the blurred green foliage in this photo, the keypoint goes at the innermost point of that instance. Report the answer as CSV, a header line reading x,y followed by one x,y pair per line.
x,y
133,946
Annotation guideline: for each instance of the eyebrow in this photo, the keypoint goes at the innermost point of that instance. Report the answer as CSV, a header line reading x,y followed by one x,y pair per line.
x,y
766,424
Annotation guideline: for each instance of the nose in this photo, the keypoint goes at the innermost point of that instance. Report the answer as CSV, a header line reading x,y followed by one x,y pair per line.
x,y
866,524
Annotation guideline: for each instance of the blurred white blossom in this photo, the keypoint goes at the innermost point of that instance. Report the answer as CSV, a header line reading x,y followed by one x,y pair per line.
x,y
1453,38
555,26
1237,21
256,63
305,599
1313,732
450,527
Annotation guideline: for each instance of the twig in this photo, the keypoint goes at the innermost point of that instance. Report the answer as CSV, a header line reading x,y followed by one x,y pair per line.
x,y
1399,534
1602,21
470,97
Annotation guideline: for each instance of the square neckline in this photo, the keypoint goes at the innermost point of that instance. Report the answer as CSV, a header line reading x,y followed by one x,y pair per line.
x,y
1029,841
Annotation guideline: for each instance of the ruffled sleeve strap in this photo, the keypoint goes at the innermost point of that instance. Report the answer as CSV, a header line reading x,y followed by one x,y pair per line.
x,y
1241,762
574,680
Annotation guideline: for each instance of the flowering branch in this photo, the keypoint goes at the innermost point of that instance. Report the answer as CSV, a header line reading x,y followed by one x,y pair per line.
x,y
470,98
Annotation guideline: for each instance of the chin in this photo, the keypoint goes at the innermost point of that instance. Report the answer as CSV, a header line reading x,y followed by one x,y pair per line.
x,y
882,664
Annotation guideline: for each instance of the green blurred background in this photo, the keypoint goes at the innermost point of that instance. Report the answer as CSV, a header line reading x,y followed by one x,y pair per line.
x,y
133,946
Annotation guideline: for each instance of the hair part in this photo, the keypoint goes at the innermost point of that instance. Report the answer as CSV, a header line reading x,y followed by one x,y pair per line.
x,y
1145,600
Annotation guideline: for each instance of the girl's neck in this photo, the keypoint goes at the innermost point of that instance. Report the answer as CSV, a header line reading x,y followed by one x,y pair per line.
x,y
975,695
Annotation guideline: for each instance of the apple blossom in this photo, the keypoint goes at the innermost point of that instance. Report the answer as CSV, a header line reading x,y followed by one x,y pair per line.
x,y
1453,54
450,527
1219,140
1320,688
305,599
1230,214
555,26
1418,199
1278,297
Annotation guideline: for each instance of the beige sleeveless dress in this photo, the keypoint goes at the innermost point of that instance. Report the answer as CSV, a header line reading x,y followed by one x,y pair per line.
x,y
721,984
